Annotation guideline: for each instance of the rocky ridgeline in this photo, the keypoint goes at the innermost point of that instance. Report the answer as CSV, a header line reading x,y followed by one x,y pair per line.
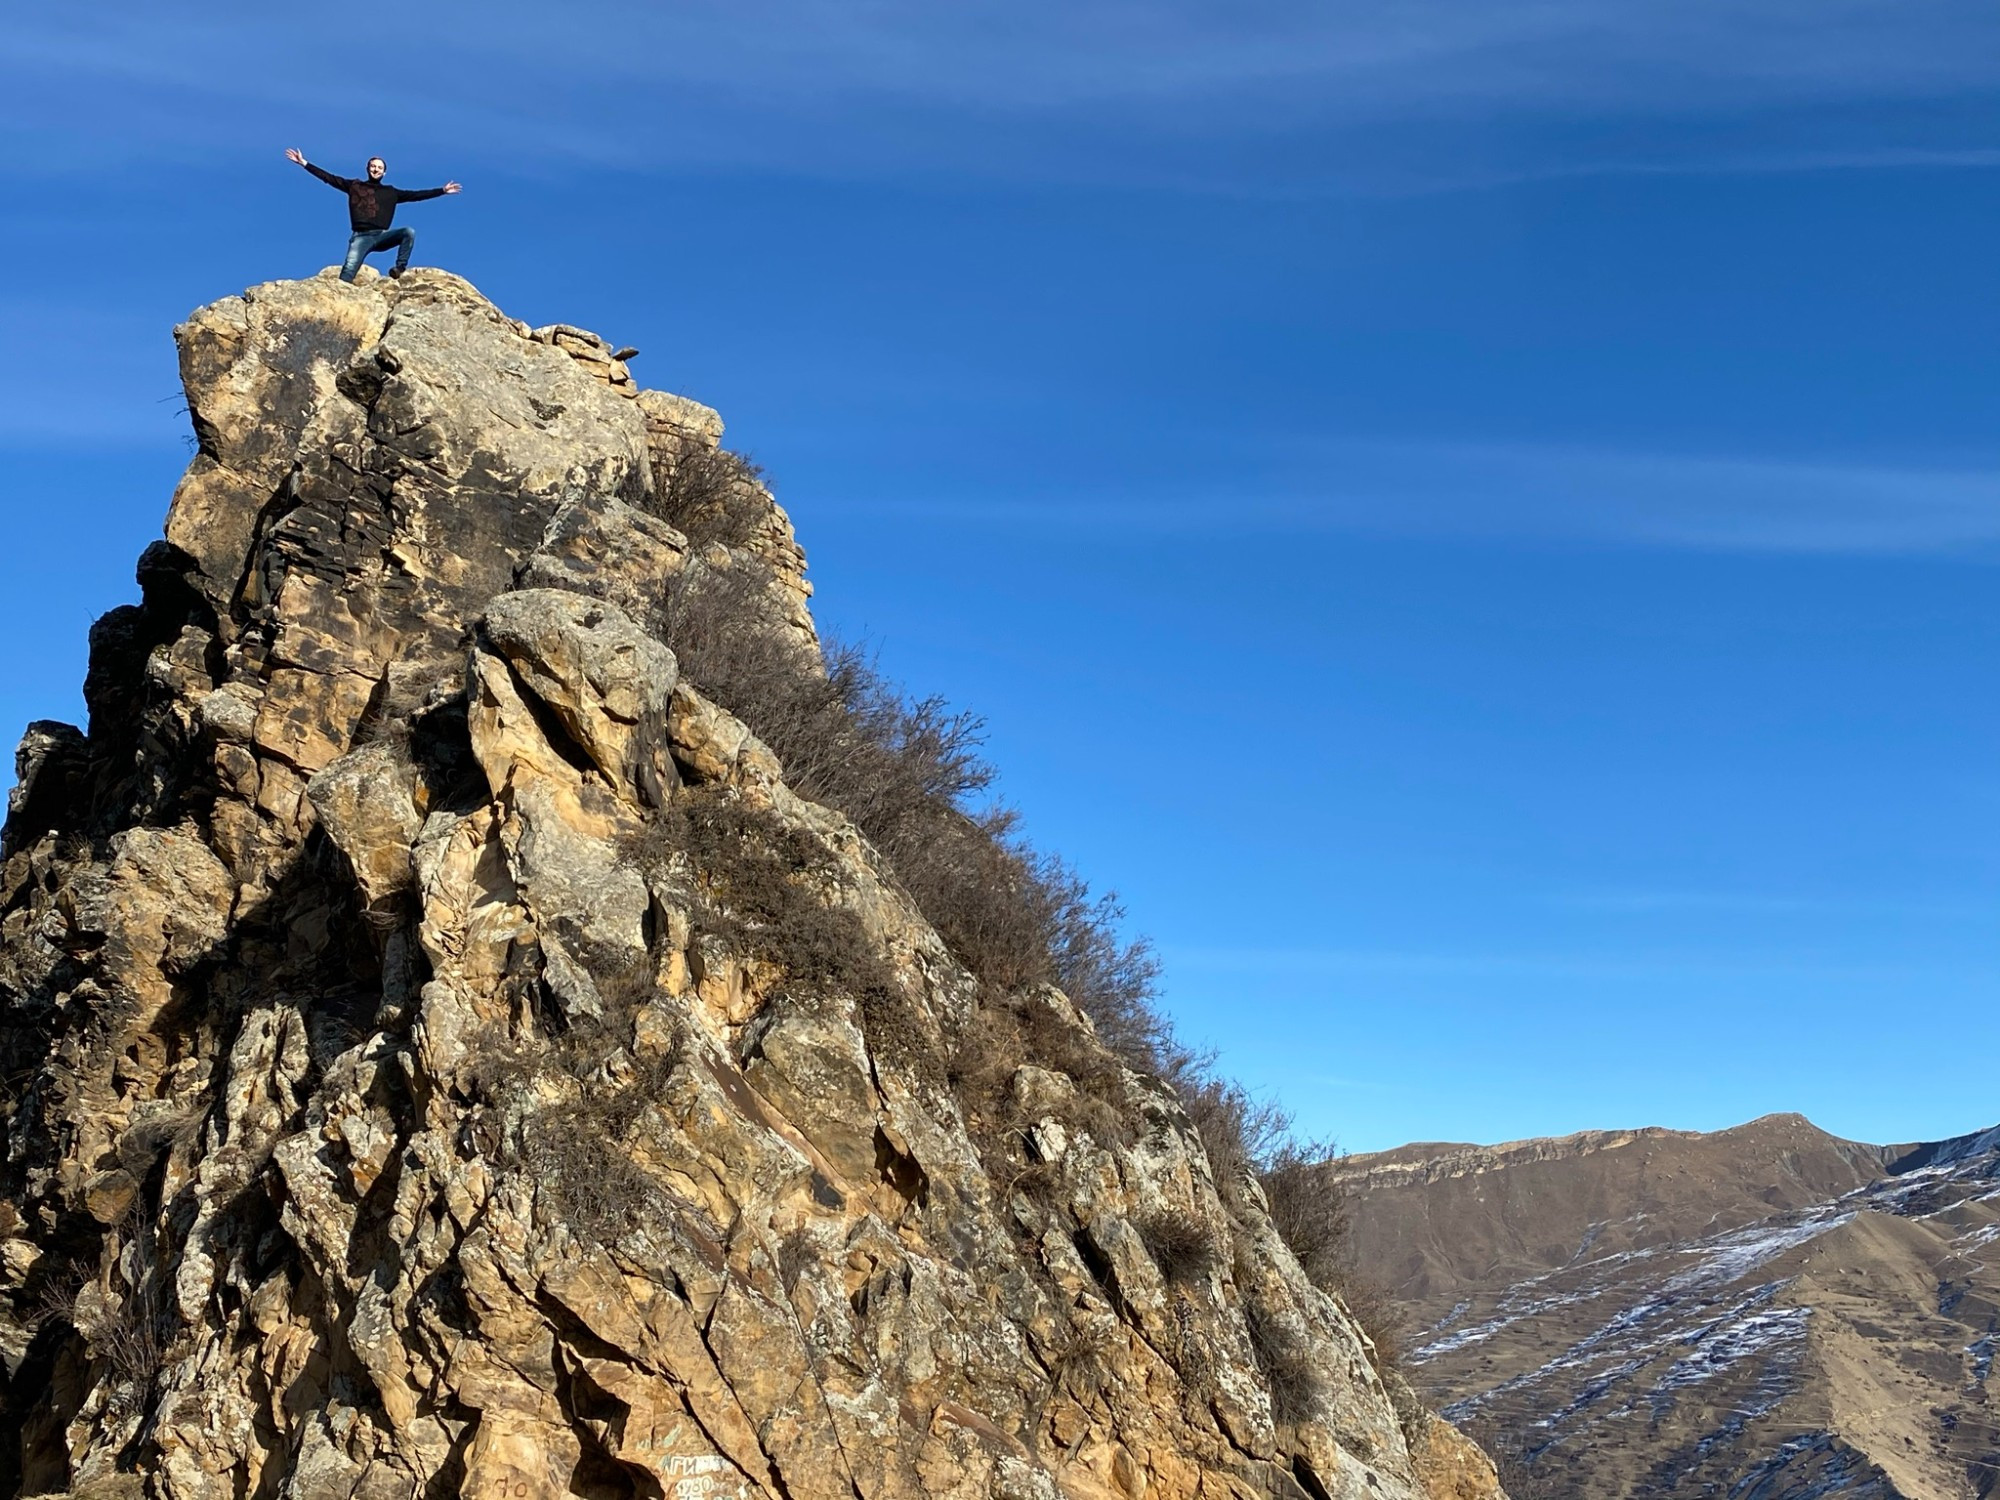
x,y
412,1090
1431,1162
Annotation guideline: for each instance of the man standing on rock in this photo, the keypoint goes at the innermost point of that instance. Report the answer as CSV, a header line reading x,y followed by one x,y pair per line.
x,y
371,208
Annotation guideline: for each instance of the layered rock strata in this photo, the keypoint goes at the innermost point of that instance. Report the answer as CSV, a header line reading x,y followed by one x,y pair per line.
x,y
400,1102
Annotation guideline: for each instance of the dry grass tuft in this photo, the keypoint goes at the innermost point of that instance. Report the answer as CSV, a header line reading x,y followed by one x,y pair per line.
x,y
1286,1364
1185,1249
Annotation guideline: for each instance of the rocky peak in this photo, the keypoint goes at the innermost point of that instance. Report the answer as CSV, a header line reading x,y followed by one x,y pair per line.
x,y
448,1056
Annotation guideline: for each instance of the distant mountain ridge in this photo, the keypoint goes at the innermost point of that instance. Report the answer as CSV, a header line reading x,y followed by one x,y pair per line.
x,y
1764,1313
1434,1160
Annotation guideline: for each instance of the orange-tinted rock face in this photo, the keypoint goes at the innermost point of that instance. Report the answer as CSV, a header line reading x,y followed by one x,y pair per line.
x,y
1452,1466
409,1096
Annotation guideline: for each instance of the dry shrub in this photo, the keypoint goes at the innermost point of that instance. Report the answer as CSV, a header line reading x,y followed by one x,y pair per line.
x,y
1286,1363
759,877
712,495
760,883
1243,1138
1238,1133
726,627
1114,981
55,1289
1184,1248
141,1325
1246,1138
582,1150
1383,1318
578,1150
1079,1358
132,1325
910,774
796,1250
1309,1208
1013,1029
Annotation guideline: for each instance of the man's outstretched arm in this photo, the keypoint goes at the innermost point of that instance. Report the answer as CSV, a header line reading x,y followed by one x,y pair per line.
x,y
294,154
417,195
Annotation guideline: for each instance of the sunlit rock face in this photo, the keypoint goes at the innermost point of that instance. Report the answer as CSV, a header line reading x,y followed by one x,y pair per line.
x,y
396,1103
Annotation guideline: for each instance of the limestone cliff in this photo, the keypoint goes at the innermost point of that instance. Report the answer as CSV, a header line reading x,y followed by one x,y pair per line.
x,y
445,1056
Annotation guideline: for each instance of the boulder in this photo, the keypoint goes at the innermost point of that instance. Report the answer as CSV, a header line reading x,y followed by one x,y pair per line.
x,y
603,680
365,803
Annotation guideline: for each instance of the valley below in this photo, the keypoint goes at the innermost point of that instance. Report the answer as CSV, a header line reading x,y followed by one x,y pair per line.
x,y
1763,1313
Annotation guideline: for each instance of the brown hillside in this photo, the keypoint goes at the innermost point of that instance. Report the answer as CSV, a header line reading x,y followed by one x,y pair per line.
x,y
1446,1219
1764,1313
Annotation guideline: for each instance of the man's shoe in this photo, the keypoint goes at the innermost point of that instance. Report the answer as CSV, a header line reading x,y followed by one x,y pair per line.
x,y
396,272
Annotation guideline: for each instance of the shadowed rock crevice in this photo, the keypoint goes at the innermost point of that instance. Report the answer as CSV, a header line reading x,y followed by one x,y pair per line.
x,y
448,1057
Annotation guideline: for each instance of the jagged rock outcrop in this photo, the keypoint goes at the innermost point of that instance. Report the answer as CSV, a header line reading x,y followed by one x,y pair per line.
x,y
400,1101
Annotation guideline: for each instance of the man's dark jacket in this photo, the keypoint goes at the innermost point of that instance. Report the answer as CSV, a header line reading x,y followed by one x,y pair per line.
x,y
371,205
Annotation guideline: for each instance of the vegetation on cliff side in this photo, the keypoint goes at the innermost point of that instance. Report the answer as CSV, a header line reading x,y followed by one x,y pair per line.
x,y
910,774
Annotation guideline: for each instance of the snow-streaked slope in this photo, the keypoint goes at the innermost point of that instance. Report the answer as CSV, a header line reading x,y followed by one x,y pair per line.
x,y
1621,1316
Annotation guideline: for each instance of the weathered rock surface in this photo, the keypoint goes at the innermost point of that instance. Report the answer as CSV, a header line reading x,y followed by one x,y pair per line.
x,y
393,1106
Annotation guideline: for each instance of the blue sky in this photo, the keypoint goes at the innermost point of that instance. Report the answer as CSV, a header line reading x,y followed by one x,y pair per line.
x,y
1478,520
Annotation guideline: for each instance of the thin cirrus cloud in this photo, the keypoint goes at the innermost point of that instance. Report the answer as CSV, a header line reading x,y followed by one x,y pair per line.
x,y
1177,90
1550,493
1721,504
1369,58
1698,903
1649,968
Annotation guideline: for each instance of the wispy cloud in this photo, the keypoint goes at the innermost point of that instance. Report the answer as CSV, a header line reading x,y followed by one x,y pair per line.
x,y
1188,87
1458,490
1724,162
1697,903
1667,967
1390,56
1671,500
1384,56
1649,903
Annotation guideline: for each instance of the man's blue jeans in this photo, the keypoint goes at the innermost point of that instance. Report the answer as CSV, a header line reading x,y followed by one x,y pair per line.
x,y
368,241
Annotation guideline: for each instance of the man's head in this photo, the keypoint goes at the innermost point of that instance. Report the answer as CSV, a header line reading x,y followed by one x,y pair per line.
x,y
376,167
